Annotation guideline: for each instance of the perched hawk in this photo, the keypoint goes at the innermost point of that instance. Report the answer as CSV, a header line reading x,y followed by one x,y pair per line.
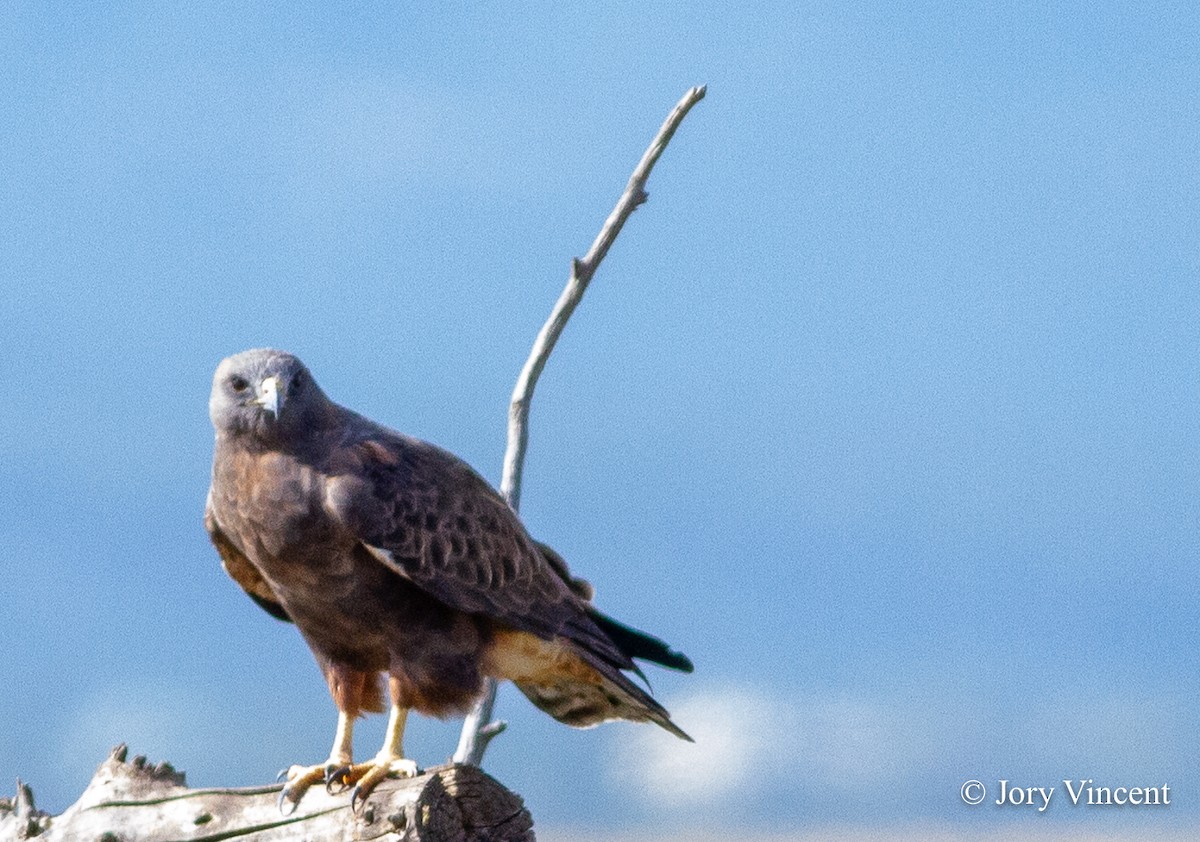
x,y
394,557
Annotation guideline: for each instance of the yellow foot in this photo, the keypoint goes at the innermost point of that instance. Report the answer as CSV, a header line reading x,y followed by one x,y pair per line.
x,y
366,776
300,778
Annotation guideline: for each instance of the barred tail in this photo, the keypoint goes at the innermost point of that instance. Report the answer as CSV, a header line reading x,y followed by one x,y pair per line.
x,y
597,693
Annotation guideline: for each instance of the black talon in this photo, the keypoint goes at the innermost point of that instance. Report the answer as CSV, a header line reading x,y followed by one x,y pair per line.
x,y
283,773
283,797
336,776
357,799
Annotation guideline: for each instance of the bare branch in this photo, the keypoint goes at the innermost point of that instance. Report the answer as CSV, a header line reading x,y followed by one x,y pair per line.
x,y
478,729
582,271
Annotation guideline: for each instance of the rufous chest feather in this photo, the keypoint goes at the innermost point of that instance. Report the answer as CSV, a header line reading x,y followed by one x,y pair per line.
x,y
269,504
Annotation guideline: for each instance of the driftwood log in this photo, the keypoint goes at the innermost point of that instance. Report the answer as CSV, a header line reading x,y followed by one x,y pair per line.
x,y
140,802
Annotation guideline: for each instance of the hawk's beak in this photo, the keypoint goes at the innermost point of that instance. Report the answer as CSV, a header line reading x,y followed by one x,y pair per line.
x,y
269,397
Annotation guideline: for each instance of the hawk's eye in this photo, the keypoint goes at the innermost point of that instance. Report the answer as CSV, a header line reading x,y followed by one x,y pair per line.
x,y
238,384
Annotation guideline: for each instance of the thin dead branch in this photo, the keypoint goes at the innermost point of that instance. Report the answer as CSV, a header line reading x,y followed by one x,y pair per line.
x,y
479,728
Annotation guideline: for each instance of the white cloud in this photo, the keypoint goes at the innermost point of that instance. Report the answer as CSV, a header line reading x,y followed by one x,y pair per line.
x,y
732,729
747,737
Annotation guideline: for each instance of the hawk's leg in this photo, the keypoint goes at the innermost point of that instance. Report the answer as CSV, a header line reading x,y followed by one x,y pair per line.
x,y
389,761
300,778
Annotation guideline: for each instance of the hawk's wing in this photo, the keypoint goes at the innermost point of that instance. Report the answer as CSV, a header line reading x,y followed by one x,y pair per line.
x,y
427,515
241,570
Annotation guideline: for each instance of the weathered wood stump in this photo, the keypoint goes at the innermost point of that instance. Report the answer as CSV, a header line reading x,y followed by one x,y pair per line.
x,y
141,802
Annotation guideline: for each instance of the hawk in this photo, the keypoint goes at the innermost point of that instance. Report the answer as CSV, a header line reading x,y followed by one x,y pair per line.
x,y
395,559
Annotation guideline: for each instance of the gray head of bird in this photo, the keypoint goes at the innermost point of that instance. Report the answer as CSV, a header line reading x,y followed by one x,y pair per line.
x,y
265,394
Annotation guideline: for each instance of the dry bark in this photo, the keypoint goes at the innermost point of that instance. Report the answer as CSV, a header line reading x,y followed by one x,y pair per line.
x,y
140,802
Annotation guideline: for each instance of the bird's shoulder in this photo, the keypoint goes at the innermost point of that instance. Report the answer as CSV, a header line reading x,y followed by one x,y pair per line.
x,y
434,515
370,465
239,567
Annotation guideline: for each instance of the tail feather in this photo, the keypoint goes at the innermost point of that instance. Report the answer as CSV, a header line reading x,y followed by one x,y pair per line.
x,y
638,644
583,702
571,682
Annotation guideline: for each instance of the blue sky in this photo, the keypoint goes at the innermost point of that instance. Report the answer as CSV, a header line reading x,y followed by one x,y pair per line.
x,y
883,408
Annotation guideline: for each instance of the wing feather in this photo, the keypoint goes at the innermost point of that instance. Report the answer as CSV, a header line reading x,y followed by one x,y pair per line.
x,y
430,517
241,570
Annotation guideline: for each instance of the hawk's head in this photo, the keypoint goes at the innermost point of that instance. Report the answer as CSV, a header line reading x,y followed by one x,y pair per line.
x,y
266,394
